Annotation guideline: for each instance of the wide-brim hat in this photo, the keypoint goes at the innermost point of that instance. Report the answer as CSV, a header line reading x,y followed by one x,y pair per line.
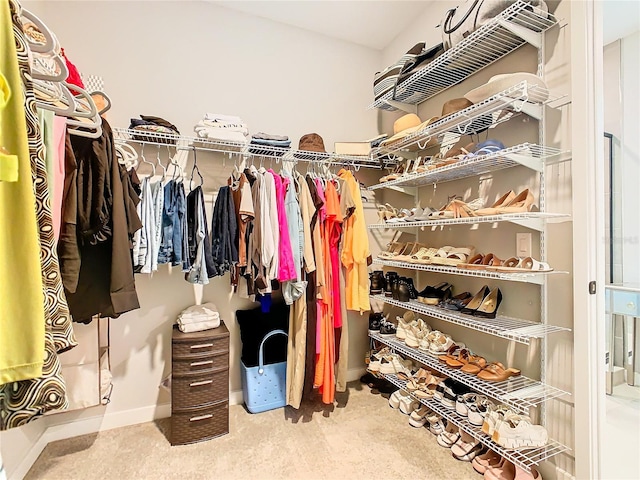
x,y
500,83
311,142
411,130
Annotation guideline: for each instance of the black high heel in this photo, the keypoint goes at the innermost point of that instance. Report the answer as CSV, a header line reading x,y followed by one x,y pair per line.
x,y
490,305
431,295
476,301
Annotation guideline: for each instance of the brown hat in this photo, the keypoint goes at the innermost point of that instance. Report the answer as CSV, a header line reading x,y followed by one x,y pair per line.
x,y
455,105
312,142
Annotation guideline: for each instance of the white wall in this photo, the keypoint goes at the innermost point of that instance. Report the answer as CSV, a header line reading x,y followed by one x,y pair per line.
x,y
179,60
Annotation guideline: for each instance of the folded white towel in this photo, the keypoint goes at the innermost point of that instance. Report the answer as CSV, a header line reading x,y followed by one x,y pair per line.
x,y
200,326
200,319
222,134
221,124
204,309
220,116
213,129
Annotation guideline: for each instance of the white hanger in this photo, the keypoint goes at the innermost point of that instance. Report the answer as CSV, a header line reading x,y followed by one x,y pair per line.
x,y
164,170
144,160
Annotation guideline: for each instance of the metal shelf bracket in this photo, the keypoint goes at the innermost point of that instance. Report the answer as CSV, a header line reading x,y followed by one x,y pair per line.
x,y
536,224
528,35
405,107
528,161
534,110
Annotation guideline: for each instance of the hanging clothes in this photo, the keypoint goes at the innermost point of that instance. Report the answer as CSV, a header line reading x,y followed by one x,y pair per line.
x,y
224,232
173,218
21,343
286,267
355,253
243,203
105,283
198,236
23,401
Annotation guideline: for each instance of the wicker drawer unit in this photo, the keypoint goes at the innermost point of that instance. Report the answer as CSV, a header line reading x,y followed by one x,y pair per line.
x,y
199,385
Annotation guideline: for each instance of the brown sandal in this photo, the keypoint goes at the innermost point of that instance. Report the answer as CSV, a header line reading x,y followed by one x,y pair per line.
x,y
496,372
474,365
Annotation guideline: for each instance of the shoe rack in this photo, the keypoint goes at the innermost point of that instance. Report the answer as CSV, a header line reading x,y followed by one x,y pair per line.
x,y
517,25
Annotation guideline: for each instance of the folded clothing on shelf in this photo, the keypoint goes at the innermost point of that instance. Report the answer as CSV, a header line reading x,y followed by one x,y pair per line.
x,y
198,318
217,126
152,124
261,140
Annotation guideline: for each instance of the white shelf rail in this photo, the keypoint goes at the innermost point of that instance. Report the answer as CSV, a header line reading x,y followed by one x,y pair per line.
x,y
515,329
520,393
529,155
518,24
243,149
525,459
522,97
537,277
533,220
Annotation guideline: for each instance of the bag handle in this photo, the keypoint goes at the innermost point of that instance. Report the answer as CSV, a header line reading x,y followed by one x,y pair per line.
x,y
261,352
446,26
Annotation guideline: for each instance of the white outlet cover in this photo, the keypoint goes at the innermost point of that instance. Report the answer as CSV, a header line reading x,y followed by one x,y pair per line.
x,y
523,245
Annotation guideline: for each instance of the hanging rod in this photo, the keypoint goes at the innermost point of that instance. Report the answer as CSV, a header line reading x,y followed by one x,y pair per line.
x,y
182,142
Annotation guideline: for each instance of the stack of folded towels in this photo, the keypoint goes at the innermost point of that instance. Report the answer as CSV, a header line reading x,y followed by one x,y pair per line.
x,y
217,126
265,139
198,318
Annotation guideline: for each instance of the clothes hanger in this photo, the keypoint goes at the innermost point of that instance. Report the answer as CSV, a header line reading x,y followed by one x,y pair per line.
x,y
144,160
195,167
54,96
36,45
101,97
164,170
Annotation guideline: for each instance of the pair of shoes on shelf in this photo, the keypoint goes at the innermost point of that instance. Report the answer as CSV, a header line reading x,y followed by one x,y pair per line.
x,y
415,332
448,391
484,304
423,384
509,203
432,295
403,401
377,383
391,364
452,256
436,343
473,406
377,282
511,430
466,448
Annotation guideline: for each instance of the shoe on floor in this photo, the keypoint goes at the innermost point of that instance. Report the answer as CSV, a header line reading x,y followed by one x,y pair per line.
x,y
449,437
466,448
418,418
487,460
408,405
436,424
508,471
394,399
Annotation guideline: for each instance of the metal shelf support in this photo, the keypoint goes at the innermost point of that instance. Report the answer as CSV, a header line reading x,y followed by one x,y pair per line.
x,y
405,107
528,35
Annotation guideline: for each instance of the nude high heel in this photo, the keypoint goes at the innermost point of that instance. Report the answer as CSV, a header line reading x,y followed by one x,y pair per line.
x,y
521,203
503,201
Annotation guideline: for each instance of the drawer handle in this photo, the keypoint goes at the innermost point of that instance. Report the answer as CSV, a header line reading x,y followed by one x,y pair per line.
x,y
199,384
199,364
631,305
201,417
204,345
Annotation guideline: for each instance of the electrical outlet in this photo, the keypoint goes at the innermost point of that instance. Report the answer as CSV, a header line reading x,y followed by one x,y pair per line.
x,y
523,245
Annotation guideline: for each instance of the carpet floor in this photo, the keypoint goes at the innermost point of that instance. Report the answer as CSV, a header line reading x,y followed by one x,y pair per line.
x,y
359,437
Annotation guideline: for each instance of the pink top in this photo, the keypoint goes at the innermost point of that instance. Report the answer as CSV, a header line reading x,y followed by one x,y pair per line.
x,y
286,265
59,134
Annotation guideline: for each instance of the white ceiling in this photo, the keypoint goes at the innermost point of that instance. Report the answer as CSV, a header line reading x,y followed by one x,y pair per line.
x,y
373,24
619,19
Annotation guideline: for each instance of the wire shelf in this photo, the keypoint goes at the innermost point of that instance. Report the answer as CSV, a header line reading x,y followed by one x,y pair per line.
x,y
506,217
520,393
489,43
244,149
474,119
530,155
516,329
537,278
525,459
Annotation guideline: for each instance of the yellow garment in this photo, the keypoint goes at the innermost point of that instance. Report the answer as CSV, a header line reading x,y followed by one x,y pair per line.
x,y
21,298
8,162
355,250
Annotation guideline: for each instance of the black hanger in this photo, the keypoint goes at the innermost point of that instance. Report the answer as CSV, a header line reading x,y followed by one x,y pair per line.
x,y
195,167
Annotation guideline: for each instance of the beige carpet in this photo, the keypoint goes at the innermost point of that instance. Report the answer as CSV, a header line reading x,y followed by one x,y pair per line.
x,y
360,437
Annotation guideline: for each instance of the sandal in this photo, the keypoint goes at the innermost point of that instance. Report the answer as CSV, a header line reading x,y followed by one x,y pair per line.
x,y
452,257
440,343
394,248
495,372
474,365
527,264
406,256
489,260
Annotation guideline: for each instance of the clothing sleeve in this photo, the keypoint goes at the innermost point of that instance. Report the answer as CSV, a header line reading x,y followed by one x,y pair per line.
x,y
305,209
272,272
267,247
246,203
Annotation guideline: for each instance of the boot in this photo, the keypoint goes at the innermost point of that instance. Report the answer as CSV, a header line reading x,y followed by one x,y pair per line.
x,y
413,293
376,280
389,277
395,283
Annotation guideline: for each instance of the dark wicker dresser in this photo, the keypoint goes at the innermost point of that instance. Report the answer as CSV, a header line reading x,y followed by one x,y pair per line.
x,y
199,385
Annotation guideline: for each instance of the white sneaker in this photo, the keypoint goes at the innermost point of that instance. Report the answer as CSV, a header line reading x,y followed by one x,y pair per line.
x,y
408,405
393,364
395,397
518,432
403,324
416,332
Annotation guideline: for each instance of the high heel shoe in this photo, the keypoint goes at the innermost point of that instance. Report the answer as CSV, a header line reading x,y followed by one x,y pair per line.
x,y
521,203
476,301
503,201
490,304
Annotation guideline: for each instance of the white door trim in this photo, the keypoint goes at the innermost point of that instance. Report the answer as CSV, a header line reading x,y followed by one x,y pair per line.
x,y
588,232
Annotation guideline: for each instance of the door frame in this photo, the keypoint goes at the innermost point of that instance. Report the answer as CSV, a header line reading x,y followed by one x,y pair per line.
x,y
588,233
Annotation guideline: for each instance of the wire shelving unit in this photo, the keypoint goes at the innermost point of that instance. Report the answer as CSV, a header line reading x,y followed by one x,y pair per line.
x,y
525,459
518,24
515,329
